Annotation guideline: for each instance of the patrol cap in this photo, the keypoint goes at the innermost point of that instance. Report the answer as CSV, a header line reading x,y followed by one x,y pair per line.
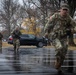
x,y
65,6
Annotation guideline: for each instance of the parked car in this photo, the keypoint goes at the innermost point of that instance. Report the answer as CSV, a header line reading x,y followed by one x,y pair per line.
x,y
30,39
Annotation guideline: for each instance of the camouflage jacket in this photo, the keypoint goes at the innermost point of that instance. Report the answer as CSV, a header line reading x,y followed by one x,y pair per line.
x,y
16,34
59,24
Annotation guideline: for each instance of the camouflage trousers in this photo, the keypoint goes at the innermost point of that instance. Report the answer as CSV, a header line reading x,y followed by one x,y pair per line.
x,y
16,43
61,47
0,45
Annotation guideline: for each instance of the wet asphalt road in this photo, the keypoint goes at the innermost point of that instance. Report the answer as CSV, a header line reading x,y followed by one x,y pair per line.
x,y
34,61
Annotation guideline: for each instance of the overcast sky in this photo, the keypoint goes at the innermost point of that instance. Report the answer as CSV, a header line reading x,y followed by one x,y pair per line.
x,y
21,2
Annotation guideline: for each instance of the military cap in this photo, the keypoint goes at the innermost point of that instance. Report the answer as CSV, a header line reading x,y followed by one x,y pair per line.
x,y
65,6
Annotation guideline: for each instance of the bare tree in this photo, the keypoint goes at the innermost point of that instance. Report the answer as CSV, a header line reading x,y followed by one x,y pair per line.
x,y
11,13
7,13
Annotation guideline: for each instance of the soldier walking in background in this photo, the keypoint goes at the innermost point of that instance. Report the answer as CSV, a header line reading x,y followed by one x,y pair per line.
x,y
58,27
1,36
16,38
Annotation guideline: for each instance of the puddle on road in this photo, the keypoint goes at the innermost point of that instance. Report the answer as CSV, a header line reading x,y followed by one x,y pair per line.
x,y
39,60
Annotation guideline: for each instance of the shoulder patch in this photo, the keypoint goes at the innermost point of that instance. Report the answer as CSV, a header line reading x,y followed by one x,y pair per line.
x,y
57,15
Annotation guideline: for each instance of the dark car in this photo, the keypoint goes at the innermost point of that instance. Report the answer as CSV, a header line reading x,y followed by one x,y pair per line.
x,y
30,39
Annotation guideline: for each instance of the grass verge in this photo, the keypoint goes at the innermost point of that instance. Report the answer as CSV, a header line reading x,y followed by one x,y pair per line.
x,y
5,44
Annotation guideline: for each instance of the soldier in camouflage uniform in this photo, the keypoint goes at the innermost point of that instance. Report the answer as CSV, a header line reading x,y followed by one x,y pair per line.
x,y
1,36
57,27
16,36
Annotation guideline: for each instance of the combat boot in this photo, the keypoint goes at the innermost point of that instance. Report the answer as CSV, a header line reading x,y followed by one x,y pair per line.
x,y
57,63
58,66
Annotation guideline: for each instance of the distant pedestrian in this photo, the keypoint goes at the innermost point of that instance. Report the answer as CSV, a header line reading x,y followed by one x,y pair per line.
x,y
16,38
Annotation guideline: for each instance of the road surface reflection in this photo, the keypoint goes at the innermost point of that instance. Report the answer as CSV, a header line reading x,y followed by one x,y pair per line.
x,y
38,60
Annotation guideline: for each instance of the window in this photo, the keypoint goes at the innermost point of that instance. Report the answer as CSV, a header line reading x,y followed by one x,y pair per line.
x,y
24,36
31,36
